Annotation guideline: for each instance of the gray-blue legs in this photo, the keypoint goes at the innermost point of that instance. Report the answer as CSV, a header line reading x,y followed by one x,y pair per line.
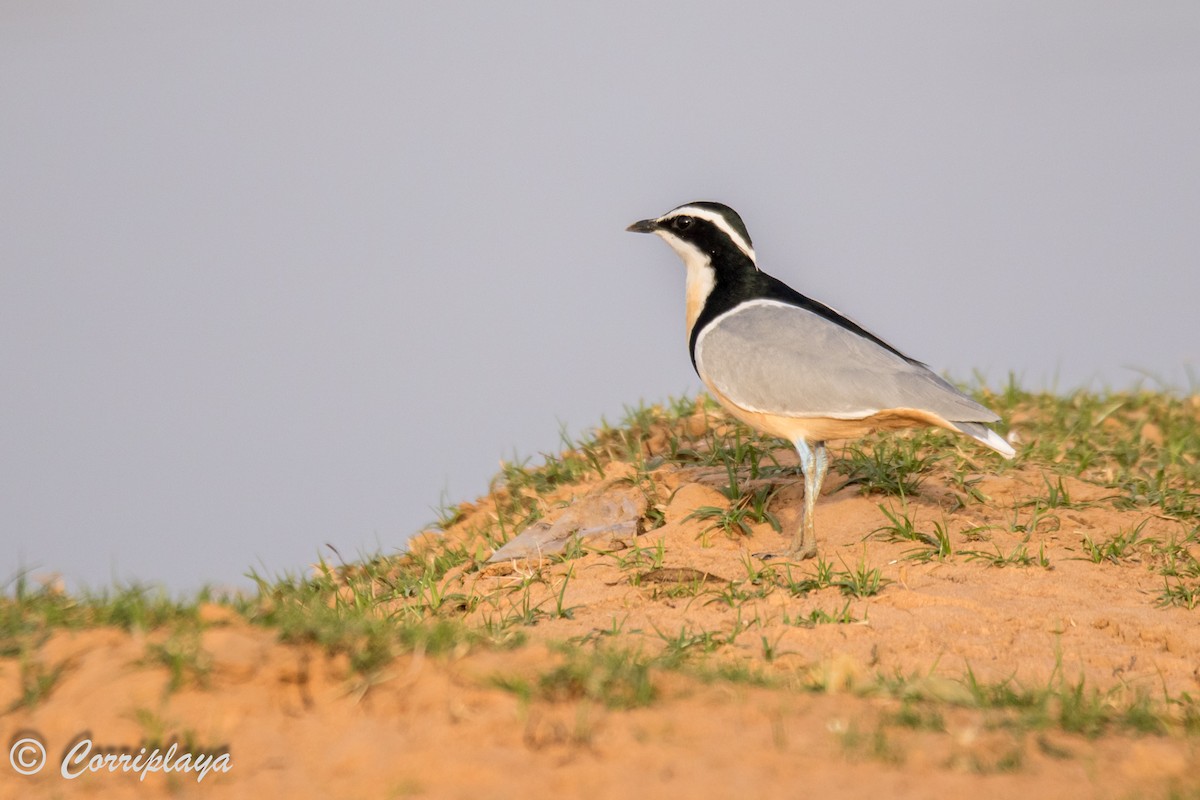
x,y
814,463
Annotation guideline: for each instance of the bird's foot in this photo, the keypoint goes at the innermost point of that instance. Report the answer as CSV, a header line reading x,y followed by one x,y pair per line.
x,y
795,554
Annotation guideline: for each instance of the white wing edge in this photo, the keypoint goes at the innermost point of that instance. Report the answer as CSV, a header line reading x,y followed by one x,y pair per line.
x,y
987,437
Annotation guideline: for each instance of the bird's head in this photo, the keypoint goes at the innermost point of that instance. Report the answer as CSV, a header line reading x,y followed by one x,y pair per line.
x,y
702,232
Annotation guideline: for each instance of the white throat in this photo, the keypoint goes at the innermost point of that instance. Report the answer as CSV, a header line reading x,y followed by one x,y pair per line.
x,y
701,277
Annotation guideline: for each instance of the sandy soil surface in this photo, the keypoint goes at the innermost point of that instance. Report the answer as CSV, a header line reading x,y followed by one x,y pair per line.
x,y
299,723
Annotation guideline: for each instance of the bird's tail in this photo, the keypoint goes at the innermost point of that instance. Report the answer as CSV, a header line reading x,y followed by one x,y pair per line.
x,y
986,436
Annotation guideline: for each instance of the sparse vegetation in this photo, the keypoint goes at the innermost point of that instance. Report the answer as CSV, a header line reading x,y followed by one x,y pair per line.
x,y
664,610
749,508
892,465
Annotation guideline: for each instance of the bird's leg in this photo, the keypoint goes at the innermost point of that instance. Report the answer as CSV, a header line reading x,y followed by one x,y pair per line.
x,y
822,457
814,463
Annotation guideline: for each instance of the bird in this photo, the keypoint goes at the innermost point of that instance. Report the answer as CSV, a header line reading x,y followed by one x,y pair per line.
x,y
792,367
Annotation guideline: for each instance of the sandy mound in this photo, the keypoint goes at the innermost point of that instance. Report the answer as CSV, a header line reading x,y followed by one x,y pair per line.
x,y
998,630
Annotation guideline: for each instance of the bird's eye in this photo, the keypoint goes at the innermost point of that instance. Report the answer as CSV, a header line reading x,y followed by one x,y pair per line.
x,y
682,223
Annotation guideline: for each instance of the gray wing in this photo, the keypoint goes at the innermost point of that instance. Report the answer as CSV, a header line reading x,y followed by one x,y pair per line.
x,y
777,358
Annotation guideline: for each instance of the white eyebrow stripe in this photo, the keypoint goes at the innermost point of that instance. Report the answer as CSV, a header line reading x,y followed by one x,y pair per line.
x,y
715,219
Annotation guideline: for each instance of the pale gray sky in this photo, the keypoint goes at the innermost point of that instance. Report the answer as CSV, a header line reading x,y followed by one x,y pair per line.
x,y
277,274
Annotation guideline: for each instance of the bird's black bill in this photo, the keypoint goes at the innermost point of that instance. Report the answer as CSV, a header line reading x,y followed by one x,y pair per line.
x,y
643,226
